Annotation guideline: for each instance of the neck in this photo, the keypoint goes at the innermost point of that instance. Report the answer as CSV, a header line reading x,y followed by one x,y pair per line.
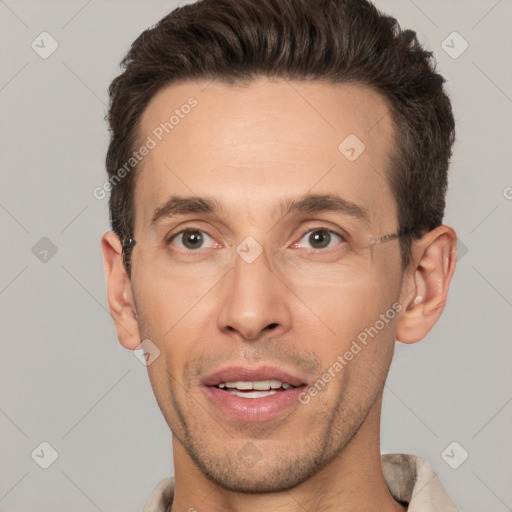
x,y
353,480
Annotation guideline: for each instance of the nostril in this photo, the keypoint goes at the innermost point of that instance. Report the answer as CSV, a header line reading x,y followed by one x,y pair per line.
x,y
271,326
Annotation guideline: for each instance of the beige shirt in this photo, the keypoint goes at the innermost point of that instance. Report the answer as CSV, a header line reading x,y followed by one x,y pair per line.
x,y
410,479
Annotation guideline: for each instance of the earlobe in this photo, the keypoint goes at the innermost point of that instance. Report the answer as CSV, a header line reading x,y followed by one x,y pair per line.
x,y
119,292
426,284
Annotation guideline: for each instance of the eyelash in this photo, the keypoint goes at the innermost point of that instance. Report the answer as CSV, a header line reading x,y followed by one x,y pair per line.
x,y
188,229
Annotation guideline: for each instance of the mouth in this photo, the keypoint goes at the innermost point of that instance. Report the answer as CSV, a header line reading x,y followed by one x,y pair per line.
x,y
256,389
253,394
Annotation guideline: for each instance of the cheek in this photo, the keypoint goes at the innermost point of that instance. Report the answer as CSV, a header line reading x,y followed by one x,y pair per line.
x,y
164,302
177,316
358,323
346,308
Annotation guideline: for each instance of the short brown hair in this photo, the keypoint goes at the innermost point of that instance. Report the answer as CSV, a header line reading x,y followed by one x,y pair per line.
x,y
336,41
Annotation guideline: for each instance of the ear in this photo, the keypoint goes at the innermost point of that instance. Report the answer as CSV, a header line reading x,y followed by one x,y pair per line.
x,y
426,283
119,292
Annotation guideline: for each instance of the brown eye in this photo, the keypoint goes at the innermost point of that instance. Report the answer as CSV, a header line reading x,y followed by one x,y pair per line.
x,y
320,239
191,239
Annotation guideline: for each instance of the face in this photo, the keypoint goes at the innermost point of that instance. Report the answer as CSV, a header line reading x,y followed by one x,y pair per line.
x,y
255,275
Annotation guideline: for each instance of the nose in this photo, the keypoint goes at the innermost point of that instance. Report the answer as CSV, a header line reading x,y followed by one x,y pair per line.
x,y
255,300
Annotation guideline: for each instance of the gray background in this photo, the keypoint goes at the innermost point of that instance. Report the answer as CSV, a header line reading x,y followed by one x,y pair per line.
x,y
64,377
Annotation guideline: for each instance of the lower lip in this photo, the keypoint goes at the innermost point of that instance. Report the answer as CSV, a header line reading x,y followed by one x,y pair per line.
x,y
253,409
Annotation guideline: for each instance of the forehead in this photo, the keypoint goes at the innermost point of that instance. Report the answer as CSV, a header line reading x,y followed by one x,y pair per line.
x,y
251,145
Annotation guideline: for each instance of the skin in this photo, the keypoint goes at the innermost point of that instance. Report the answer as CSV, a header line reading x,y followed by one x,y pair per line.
x,y
248,147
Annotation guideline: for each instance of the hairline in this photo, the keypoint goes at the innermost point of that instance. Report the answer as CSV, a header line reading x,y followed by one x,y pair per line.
x,y
394,162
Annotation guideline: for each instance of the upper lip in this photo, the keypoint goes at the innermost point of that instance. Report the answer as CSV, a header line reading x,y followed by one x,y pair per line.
x,y
247,374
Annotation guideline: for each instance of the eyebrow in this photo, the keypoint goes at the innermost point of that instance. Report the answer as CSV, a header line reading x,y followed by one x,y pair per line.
x,y
177,205
308,204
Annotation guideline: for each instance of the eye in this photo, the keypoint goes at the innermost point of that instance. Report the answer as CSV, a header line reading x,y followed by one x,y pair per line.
x,y
319,239
190,239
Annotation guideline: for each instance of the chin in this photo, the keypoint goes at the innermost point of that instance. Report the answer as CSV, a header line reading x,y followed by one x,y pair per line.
x,y
251,472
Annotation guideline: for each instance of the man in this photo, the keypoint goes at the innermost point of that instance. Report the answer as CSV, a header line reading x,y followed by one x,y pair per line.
x,y
278,172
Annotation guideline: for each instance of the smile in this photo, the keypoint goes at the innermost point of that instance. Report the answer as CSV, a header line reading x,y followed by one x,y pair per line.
x,y
253,394
255,389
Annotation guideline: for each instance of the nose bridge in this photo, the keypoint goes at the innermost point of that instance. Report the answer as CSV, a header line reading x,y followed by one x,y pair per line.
x,y
254,297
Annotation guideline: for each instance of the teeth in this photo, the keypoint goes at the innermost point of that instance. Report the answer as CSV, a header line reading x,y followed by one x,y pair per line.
x,y
253,394
260,385
239,385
